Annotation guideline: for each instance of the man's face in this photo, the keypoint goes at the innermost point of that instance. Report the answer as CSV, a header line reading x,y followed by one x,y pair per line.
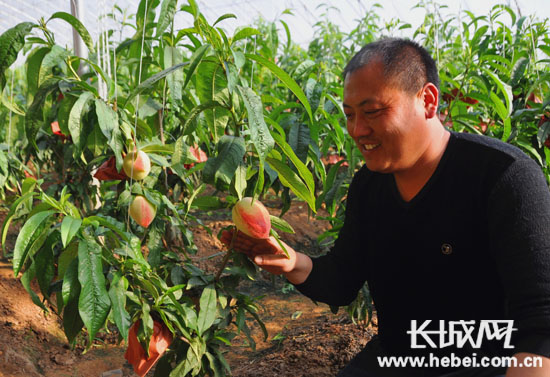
x,y
387,124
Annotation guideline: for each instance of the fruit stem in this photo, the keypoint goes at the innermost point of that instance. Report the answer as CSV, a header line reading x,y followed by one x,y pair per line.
x,y
226,258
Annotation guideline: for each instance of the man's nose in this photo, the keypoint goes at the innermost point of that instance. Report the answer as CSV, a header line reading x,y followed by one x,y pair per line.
x,y
359,127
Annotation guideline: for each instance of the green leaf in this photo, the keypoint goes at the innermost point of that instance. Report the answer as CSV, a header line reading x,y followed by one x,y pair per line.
x,y
192,363
167,12
474,42
11,42
291,180
194,62
157,148
529,148
239,59
314,92
106,117
244,33
505,89
299,139
44,261
286,79
180,157
64,112
259,133
240,180
29,233
224,17
69,227
34,116
208,309
108,123
34,62
211,86
215,365
543,133
110,83
75,124
26,279
281,224
232,76
117,294
220,170
499,106
70,289
108,222
519,71
78,26
155,245
208,105
93,302
55,56
12,106
9,217
148,84
72,323
507,129
287,33
207,203
95,142
65,259
303,171
172,56
175,289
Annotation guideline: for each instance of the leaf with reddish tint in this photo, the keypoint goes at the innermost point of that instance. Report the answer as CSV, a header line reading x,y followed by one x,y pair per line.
x,y
108,172
199,155
448,97
159,343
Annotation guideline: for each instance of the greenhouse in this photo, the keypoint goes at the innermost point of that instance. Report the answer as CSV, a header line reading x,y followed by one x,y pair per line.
x,y
257,188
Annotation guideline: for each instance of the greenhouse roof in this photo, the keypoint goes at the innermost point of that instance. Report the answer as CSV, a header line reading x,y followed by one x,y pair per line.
x,y
304,14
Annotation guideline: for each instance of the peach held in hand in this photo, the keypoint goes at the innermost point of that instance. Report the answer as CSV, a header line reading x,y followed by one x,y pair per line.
x,y
252,218
142,211
137,165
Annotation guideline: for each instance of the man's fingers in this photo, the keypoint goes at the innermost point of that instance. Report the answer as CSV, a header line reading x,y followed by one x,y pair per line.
x,y
226,236
252,247
271,260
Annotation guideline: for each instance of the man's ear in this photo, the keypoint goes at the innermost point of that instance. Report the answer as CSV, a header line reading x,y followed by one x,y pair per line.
x,y
430,96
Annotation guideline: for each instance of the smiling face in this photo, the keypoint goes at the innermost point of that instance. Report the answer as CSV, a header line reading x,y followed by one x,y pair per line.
x,y
387,124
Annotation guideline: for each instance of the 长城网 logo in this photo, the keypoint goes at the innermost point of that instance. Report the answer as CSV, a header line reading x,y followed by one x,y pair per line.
x,y
458,333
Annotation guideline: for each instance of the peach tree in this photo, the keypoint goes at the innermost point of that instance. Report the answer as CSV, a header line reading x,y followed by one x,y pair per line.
x,y
117,250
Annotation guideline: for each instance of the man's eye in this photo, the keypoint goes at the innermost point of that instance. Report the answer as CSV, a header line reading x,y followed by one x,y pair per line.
x,y
370,112
348,116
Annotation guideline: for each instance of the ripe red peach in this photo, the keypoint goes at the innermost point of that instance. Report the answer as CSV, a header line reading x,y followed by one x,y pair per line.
x,y
142,211
251,218
137,165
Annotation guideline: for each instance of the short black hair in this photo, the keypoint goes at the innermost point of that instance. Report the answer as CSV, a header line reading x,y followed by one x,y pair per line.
x,y
407,65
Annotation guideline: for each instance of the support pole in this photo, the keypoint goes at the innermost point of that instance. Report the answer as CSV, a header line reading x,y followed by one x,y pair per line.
x,y
78,45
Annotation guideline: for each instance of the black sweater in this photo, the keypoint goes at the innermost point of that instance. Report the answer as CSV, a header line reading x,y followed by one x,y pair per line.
x,y
473,244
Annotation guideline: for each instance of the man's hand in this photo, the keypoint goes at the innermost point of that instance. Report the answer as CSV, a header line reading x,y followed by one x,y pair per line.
x,y
534,371
268,254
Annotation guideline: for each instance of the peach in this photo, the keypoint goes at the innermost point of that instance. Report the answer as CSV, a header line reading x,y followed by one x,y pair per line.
x,y
251,218
142,211
137,165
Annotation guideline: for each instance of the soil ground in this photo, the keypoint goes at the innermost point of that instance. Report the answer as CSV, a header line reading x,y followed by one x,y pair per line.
x,y
304,339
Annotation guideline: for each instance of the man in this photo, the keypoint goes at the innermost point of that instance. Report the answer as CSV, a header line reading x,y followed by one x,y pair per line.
x,y
442,226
